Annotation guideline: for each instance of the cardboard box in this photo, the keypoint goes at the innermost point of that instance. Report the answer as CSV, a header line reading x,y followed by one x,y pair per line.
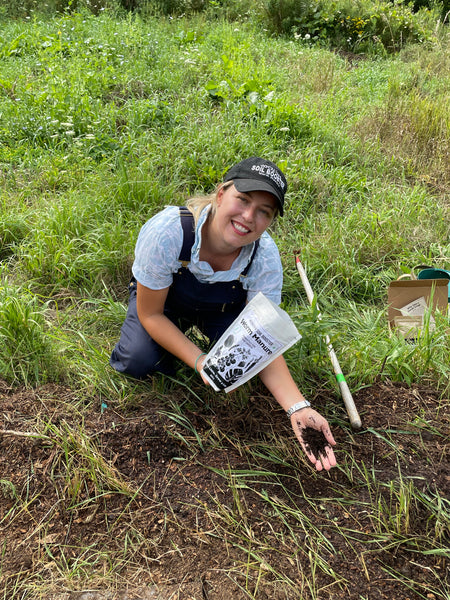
x,y
402,292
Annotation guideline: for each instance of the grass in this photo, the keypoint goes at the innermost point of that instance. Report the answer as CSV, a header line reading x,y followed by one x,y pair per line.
x,y
103,121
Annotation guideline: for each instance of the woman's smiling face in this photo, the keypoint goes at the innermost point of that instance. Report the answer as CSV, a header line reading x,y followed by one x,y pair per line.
x,y
242,217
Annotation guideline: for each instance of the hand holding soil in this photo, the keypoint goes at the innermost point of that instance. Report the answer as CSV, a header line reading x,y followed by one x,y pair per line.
x,y
313,433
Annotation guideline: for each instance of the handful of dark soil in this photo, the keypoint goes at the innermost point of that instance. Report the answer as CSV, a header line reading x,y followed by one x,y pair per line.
x,y
315,441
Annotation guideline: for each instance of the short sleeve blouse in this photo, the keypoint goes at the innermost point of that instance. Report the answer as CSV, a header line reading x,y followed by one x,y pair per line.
x,y
159,244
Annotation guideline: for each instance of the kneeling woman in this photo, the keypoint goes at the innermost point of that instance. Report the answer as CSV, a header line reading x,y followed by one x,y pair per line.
x,y
199,266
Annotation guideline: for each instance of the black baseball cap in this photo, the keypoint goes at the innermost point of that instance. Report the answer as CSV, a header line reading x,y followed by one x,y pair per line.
x,y
257,174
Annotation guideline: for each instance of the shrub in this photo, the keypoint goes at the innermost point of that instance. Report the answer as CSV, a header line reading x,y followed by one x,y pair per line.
x,y
432,4
356,26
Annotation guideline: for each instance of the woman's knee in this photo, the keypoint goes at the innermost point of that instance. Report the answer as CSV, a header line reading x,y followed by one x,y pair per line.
x,y
135,362
136,353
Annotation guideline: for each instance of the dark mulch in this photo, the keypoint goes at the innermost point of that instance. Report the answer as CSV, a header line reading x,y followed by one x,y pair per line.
x,y
177,534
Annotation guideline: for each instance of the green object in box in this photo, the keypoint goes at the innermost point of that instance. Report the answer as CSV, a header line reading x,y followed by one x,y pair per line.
x,y
435,274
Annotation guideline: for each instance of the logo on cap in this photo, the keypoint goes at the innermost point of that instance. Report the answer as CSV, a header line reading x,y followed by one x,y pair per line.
x,y
268,171
257,174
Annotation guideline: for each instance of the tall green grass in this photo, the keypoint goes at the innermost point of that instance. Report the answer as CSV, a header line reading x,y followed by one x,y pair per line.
x,y
105,120
28,355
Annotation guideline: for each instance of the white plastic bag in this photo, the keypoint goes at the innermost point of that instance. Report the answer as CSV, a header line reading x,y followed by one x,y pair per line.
x,y
260,334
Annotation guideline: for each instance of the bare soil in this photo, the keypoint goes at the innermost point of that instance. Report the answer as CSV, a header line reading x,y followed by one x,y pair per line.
x,y
158,518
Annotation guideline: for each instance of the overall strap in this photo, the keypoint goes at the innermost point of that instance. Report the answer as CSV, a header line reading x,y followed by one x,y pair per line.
x,y
188,225
245,271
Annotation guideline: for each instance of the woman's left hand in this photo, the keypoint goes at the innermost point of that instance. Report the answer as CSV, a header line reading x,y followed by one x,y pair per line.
x,y
313,433
200,369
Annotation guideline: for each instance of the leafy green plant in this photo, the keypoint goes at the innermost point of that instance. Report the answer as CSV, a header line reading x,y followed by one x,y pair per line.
x,y
7,489
359,26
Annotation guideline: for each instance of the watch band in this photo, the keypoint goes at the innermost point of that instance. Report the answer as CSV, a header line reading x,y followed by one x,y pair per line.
x,y
298,406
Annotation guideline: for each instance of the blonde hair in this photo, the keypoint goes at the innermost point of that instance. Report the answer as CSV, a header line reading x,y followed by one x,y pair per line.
x,y
198,203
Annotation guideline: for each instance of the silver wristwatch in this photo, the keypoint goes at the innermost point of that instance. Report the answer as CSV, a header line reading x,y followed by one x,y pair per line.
x,y
298,406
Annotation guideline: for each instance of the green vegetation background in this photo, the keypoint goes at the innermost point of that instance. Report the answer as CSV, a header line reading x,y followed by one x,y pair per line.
x,y
108,115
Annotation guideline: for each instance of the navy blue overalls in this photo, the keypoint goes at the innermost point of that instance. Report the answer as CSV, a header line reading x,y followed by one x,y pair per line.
x,y
212,307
